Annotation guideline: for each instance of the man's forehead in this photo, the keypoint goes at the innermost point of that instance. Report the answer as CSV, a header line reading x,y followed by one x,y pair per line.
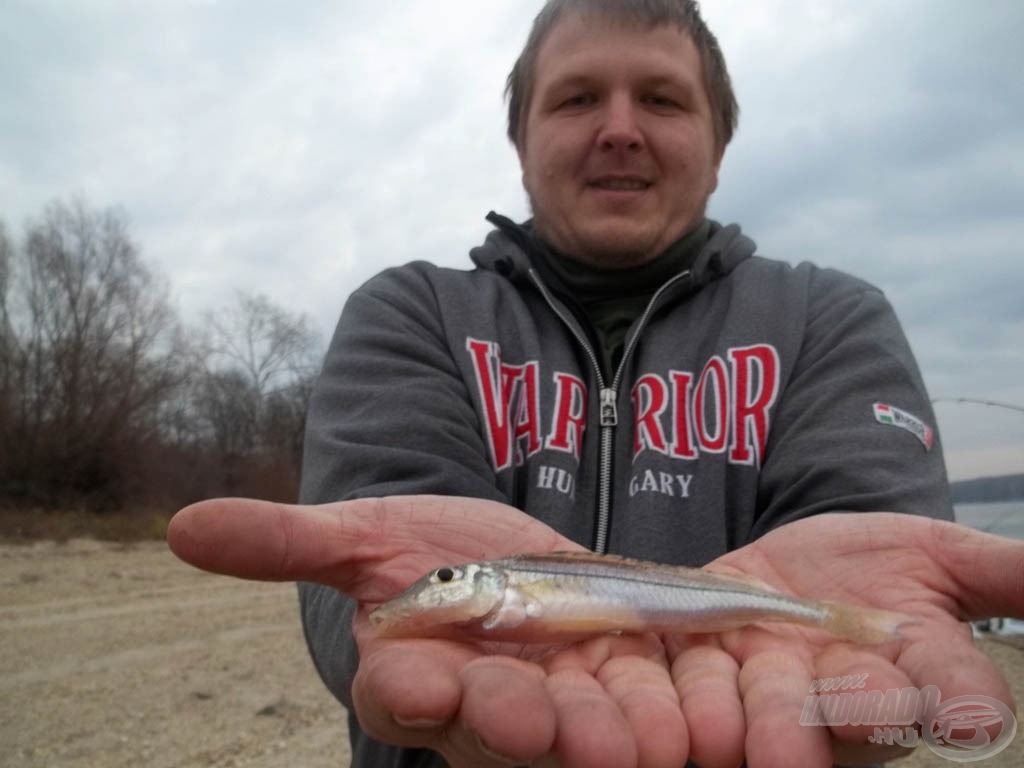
x,y
596,19
570,49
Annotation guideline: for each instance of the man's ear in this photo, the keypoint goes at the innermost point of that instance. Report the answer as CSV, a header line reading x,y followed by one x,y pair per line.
x,y
719,156
521,154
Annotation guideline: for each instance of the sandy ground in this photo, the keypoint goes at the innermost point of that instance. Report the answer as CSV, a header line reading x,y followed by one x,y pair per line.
x,y
114,656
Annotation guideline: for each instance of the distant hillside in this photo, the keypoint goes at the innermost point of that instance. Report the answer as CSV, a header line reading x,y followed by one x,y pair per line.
x,y
1002,488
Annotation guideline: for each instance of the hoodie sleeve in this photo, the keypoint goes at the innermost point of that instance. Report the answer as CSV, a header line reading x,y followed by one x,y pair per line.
x,y
854,430
389,415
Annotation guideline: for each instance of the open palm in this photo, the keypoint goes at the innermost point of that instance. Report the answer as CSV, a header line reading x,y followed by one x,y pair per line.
x,y
938,573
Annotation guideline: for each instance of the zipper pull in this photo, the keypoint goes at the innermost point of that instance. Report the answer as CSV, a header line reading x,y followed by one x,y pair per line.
x,y
609,413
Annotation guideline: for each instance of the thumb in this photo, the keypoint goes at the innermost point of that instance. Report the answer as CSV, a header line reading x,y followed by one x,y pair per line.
x,y
254,539
367,548
987,570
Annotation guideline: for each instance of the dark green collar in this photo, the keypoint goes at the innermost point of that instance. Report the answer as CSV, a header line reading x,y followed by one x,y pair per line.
x,y
590,284
612,299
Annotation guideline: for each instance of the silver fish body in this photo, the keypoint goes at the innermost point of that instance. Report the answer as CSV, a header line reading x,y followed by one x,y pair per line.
x,y
565,596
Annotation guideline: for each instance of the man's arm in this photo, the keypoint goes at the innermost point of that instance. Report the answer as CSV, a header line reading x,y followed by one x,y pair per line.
x,y
829,448
389,415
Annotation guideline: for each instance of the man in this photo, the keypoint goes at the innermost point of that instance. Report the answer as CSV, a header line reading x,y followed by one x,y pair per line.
x,y
622,374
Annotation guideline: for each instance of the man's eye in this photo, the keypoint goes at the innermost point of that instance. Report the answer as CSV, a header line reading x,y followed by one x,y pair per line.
x,y
664,102
579,100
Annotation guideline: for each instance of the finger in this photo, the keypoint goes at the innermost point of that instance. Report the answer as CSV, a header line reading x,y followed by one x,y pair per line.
x,y
591,730
706,680
943,654
589,656
988,570
856,690
262,540
506,713
775,673
347,545
633,670
643,691
406,692
981,572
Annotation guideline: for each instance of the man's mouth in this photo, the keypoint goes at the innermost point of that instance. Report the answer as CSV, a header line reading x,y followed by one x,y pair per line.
x,y
620,183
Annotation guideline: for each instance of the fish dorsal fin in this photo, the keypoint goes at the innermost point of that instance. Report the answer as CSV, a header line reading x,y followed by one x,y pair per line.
x,y
581,557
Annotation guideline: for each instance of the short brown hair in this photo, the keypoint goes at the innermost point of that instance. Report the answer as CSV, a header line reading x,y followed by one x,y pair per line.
x,y
684,14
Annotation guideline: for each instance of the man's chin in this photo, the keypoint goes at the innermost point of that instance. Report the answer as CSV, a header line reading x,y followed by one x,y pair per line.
x,y
616,248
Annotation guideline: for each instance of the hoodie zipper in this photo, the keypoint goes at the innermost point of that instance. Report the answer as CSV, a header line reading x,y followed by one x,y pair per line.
x,y
608,412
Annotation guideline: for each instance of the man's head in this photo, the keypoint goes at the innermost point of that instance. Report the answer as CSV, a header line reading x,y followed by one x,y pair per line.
x,y
620,111
684,14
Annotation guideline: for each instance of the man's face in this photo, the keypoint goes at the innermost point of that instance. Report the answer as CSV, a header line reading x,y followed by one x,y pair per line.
x,y
619,156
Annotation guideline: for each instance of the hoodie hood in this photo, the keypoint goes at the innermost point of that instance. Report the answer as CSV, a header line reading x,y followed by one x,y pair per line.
x,y
510,251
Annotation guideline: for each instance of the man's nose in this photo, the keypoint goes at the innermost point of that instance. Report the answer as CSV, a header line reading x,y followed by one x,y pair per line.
x,y
620,129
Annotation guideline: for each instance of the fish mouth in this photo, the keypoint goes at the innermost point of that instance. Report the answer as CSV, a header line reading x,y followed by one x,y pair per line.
x,y
381,618
385,617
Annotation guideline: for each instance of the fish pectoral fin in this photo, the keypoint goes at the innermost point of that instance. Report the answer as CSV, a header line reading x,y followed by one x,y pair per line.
x,y
513,611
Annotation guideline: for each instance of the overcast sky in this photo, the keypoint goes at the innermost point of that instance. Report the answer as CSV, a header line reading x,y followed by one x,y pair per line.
x,y
295,149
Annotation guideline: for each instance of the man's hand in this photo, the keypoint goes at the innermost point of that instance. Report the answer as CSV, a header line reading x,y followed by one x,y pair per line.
x,y
606,702
939,573
718,699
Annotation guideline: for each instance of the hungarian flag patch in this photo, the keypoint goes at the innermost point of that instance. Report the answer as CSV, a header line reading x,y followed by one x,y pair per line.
x,y
895,417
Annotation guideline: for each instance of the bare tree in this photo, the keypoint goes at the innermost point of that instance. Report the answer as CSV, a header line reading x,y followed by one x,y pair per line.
x,y
96,350
229,405
270,345
275,354
284,422
6,257
8,348
103,399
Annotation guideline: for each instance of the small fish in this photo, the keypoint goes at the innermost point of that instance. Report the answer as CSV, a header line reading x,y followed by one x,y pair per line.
x,y
565,596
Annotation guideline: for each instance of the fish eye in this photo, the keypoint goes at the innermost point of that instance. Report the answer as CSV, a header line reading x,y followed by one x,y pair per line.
x,y
444,575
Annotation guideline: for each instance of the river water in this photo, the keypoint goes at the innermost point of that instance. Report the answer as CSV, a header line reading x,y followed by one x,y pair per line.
x,y
1005,518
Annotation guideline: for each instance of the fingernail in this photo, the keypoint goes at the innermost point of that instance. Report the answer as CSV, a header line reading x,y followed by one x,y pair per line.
x,y
496,756
418,723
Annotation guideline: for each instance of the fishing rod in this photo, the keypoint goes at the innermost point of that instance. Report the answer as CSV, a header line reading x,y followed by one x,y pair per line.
x,y
977,401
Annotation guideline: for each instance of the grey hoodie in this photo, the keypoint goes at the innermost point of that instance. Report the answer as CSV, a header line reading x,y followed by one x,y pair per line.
x,y
750,393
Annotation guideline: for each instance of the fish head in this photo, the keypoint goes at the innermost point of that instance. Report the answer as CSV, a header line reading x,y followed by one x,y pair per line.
x,y
450,595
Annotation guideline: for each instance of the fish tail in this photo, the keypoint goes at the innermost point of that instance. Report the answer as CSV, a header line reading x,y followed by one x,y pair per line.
x,y
864,625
